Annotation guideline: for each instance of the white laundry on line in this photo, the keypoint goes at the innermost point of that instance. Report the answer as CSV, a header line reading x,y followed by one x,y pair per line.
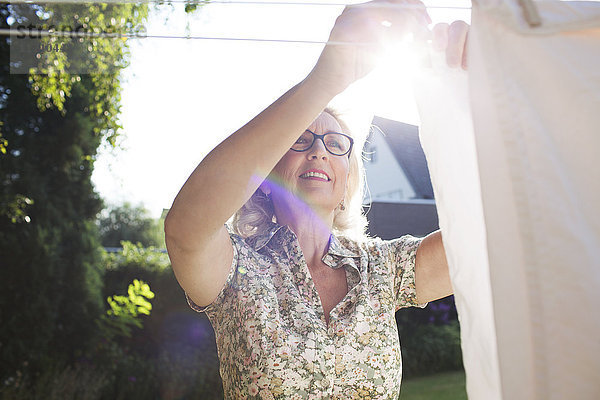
x,y
513,157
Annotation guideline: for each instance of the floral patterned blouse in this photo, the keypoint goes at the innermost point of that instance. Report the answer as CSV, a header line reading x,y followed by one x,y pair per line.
x,y
272,339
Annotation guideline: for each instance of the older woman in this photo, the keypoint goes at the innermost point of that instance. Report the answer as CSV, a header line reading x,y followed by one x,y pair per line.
x,y
302,303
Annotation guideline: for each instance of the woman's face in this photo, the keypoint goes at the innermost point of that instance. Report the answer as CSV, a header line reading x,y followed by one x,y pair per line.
x,y
319,193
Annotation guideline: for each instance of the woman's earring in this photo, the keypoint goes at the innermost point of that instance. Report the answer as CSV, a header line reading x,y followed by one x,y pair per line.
x,y
266,193
342,206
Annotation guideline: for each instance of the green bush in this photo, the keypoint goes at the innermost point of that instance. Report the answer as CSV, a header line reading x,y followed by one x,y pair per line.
x,y
431,348
125,310
174,355
57,383
430,338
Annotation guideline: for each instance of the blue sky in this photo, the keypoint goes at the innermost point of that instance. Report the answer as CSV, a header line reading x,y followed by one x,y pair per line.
x,y
182,97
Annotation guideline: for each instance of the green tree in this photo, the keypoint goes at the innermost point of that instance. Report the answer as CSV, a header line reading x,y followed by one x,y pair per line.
x,y
131,223
52,125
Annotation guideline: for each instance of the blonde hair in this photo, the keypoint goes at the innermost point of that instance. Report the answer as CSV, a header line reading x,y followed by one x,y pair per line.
x,y
258,212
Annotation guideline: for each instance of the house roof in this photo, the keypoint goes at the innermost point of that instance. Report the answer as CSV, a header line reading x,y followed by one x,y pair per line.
x,y
404,142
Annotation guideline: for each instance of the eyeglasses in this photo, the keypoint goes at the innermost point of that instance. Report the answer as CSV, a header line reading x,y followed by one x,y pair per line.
x,y
335,143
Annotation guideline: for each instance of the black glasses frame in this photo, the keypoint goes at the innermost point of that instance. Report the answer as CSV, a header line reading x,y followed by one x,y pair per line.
x,y
322,137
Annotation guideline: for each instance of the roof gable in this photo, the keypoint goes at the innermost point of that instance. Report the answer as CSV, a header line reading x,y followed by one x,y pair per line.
x,y
403,140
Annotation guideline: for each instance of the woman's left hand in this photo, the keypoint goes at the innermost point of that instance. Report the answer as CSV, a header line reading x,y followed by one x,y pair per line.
x,y
452,39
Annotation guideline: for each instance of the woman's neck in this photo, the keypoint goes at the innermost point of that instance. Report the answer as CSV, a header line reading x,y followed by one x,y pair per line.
x,y
311,229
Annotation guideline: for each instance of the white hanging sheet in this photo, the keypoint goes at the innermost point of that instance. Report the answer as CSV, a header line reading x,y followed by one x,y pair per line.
x,y
513,157
446,134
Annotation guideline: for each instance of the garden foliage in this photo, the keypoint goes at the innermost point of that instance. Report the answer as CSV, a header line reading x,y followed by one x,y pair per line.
x,y
429,338
52,123
174,354
131,223
124,311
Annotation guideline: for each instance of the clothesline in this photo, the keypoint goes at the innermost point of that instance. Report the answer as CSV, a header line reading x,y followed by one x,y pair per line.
x,y
36,34
252,2
25,31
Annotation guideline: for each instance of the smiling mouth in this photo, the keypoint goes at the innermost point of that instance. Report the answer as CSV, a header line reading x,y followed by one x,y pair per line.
x,y
315,175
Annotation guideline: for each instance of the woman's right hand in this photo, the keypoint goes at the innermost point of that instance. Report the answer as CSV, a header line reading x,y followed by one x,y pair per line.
x,y
358,39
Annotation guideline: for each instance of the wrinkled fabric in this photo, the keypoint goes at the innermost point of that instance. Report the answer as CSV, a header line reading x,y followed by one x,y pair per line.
x,y
513,159
272,339
446,134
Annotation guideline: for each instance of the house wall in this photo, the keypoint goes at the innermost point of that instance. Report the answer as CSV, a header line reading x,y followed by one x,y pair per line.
x,y
386,179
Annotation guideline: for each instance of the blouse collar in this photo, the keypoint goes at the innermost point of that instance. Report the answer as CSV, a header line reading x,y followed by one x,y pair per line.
x,y
338,246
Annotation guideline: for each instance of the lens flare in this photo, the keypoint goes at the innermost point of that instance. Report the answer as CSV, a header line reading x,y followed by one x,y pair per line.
x,y
294,201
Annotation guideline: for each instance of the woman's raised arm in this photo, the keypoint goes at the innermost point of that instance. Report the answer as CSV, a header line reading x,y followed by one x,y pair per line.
x,y
198,244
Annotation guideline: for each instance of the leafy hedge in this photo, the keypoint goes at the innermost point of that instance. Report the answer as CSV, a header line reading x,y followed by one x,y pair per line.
x,y
168,354
430,338
174,354
431,349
